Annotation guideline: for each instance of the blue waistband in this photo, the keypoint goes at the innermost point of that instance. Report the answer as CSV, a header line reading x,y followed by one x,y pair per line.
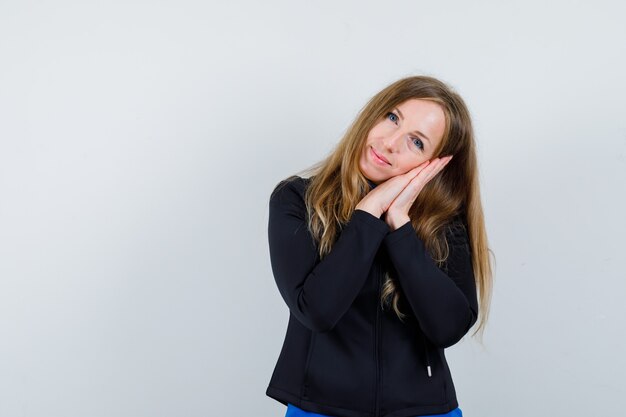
x,y
293,411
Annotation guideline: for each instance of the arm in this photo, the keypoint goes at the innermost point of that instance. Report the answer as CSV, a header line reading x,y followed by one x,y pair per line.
x,y
318,293
444,303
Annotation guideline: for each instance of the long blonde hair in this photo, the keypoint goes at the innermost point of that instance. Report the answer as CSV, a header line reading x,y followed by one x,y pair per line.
x,y
337,185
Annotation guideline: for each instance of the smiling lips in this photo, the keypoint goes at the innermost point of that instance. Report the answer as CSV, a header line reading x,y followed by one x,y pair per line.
x,y
380,157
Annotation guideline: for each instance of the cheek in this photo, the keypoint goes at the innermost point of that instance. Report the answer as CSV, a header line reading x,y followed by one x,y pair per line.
x,y
418,162
363,160
409,163
377,131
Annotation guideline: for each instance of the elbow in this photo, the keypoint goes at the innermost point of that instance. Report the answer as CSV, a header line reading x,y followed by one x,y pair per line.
x,y
317,323
446,336
319,320
322,326
444,341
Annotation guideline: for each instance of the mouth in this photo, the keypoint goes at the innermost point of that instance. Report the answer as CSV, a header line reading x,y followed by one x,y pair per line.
x,y
380,157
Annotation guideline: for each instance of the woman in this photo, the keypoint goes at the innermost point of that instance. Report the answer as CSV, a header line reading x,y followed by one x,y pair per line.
x,y
379,255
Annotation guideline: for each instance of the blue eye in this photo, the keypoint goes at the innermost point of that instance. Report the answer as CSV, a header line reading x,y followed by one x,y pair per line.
x,y
419,143
394,115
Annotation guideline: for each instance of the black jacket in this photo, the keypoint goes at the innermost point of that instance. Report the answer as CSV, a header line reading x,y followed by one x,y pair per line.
x,y
342,354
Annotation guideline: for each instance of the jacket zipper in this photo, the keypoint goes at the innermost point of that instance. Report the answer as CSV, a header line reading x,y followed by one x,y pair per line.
x,y
377,347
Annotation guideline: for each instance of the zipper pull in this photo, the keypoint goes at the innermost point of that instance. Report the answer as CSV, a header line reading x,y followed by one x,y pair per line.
x,y
426,355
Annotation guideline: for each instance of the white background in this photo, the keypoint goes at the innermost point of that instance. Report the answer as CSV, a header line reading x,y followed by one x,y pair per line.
x,y
139,143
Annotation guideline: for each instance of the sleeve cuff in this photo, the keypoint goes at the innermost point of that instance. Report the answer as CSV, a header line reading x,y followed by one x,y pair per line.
x,y
401,232
372,221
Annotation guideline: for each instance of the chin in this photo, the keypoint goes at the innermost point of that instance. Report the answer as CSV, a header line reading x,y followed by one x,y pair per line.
x,y
374,179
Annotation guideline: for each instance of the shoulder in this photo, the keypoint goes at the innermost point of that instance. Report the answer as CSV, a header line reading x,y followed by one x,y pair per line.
x,y
290,189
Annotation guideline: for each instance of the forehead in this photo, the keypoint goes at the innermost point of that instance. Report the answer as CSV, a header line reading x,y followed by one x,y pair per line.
x,y
415,110
425,116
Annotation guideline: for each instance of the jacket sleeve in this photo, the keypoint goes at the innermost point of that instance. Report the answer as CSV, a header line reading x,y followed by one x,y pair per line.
x,y
444,302
318,293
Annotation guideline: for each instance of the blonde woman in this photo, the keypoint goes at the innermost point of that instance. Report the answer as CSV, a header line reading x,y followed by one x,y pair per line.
x,y
380,255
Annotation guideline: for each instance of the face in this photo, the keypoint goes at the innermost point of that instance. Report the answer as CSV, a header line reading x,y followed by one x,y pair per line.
x,y
407,136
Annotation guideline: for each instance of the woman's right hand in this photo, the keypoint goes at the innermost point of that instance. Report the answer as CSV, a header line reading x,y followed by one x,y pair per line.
x,y
378,200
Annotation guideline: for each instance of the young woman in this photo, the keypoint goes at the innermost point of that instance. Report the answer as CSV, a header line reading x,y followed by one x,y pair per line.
x,y
380,255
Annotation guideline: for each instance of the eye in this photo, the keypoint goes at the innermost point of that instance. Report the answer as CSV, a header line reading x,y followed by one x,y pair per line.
x,y
418,143
394,115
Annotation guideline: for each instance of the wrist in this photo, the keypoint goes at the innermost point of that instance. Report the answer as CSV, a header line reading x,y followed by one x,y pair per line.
x,y
396,222
369,209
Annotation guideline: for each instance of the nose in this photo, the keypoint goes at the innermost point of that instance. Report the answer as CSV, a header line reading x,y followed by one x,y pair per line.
x,y
392,142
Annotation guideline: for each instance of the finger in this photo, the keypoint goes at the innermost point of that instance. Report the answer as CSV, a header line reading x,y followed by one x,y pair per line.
x,y
418,168
425,172
428,166
437,168
429,171
443,161
432,167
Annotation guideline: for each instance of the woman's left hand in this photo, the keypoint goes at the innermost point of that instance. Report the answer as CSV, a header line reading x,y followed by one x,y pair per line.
x,y
398,212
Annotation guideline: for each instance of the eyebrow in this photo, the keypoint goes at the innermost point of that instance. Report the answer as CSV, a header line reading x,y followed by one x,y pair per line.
x,y
417,132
